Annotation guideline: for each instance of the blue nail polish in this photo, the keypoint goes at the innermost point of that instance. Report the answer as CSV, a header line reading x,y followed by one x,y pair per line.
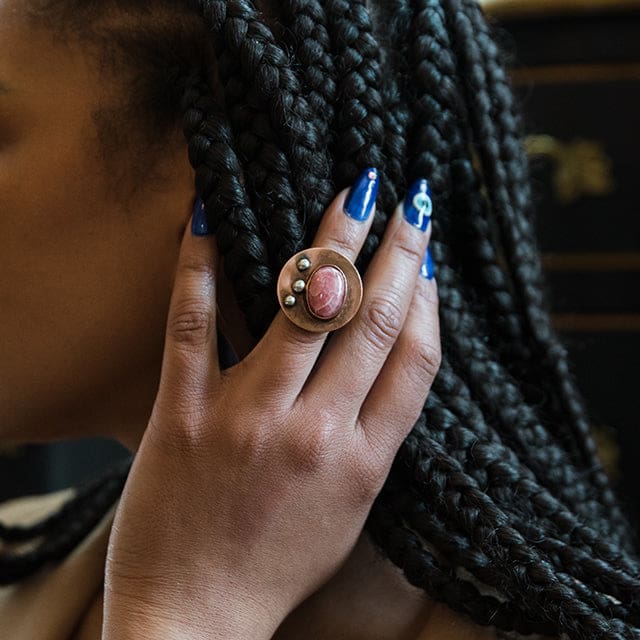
x,y
418,205
426,270
199,225
362,197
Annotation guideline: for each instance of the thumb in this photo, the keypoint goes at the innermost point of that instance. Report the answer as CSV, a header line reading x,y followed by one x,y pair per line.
x,y
190,359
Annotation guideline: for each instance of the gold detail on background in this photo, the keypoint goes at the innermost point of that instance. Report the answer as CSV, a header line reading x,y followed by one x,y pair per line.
x,y
580,167
585,261
608,450
596,322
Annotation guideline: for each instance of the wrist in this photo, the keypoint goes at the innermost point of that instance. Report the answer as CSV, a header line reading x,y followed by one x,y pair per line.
x,y
209,617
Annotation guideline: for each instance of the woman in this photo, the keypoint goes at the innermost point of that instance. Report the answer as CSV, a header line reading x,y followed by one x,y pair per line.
x,y
265,492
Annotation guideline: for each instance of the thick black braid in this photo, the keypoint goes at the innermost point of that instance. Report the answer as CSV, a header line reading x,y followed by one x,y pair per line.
x,y
63,530
496,393
306,33
267,171
265,64
391,24
360,130
510,189
219,184
501,298
24,533
509,482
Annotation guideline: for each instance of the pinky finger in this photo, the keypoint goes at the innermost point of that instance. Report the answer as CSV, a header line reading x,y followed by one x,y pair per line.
x,y
397,397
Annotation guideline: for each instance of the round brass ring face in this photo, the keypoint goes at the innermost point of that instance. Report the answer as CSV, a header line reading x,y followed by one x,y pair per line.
x,y
300,281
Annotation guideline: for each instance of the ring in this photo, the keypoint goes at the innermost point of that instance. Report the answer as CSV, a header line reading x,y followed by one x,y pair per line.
x,y
319,289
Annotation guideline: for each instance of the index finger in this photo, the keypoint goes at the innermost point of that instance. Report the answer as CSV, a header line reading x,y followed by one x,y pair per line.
x,y
190,358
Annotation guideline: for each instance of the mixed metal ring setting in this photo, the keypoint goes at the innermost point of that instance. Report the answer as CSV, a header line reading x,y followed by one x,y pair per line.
x,y
319,289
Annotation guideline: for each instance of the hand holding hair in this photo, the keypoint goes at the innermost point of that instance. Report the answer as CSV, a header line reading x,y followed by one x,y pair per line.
x,y
251,485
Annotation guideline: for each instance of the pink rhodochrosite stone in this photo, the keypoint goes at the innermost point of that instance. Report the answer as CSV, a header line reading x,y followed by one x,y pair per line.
x,y
326,292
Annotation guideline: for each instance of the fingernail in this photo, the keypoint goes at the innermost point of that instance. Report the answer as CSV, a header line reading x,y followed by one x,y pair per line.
x,y
426,270
418,205
199,225
362,197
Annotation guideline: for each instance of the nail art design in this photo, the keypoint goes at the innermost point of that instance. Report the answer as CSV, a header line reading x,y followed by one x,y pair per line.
x,y
199,225
418,205
427,270
362,197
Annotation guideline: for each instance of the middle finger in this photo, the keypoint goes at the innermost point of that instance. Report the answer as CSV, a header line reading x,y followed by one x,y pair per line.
x,y
355,354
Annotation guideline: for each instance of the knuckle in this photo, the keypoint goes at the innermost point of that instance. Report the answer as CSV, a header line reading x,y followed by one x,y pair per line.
x,y
181,433
425,358
310,447
344,242
409,244
309,439
194,267
191,323
368,473
383,321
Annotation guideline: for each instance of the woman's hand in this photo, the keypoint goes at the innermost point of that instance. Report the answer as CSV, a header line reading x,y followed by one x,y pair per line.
x,y
251,485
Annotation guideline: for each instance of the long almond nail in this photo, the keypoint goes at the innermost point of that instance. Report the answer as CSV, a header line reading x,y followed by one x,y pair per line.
x,y
418,205
362,197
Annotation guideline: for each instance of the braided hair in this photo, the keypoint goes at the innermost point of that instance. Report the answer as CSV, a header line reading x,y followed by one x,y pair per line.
x,y
496,503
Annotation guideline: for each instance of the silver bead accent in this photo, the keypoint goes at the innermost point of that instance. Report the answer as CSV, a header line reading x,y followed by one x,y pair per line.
x,y
298,286
289,301
303,264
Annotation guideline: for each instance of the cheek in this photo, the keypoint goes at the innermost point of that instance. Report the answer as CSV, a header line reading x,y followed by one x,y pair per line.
x,y
83,292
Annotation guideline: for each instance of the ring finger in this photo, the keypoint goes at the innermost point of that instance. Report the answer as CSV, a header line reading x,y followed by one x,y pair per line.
x,y
356,353
286,354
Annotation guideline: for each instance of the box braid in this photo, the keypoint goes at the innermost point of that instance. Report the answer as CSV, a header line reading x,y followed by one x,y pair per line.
x,y
360,123
307,36
471,215
273,195
438,144
498,125
496,503
265,65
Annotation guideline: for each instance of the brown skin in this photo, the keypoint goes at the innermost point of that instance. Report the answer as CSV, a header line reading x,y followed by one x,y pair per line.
x,y
87,277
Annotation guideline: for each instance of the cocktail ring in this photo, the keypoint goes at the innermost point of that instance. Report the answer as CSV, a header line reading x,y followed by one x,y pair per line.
x,y
319,289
